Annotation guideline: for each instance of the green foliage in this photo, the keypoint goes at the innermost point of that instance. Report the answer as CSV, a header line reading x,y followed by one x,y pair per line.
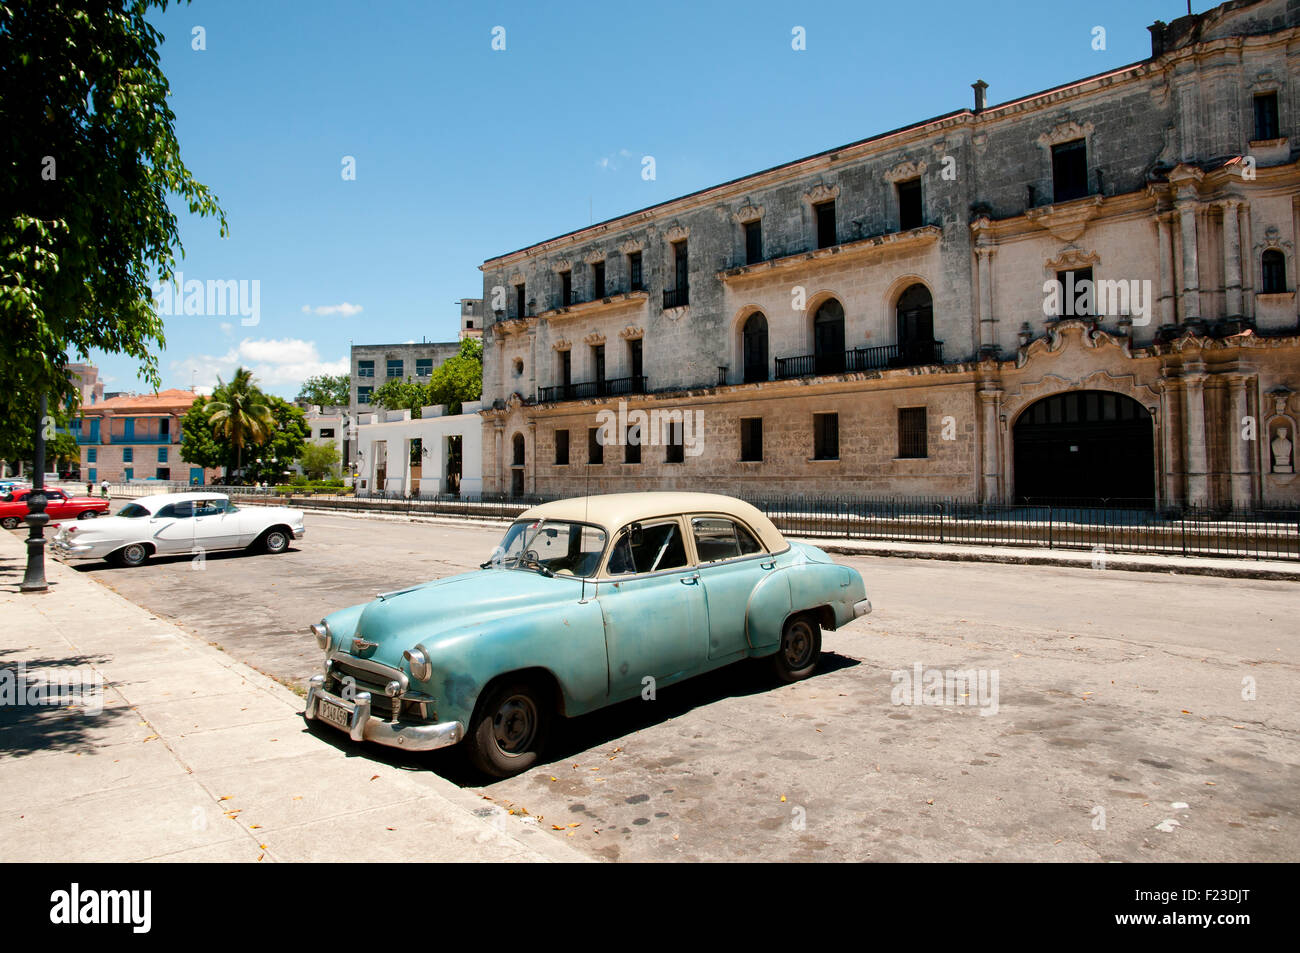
x,y
91,160
458,378
326,390
399,395
319,459
454,381
281,430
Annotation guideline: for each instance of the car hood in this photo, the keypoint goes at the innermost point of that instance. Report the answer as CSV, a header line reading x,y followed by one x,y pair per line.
x,y
396,621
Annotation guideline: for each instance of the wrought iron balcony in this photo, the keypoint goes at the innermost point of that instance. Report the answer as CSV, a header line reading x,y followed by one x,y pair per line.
x,y
676,297
911,354
611,387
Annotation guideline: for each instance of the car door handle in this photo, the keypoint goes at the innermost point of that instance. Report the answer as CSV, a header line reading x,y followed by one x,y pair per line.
x,y
771,565
690,580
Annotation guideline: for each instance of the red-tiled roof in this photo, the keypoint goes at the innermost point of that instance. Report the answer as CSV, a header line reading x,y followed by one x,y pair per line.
x,y
173,398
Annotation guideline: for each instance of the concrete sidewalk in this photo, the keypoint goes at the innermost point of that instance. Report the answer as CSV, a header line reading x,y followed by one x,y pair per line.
x,y
197,757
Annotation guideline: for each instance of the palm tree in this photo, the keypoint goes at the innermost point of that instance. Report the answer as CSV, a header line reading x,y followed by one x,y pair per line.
x,y
241,418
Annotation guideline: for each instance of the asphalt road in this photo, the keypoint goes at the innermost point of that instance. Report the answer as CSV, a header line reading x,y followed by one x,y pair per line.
x,y
1121,729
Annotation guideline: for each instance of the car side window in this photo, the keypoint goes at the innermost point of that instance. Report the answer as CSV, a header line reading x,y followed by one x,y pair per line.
x,y
210,507
717,539
177,511
657,547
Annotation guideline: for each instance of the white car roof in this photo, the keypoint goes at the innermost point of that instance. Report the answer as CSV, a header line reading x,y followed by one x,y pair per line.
x,y
156,502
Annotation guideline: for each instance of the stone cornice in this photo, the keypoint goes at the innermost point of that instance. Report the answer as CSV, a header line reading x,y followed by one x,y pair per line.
x,y
613,302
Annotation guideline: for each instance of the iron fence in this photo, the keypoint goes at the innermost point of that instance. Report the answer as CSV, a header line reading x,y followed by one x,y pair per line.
x,y
1103,526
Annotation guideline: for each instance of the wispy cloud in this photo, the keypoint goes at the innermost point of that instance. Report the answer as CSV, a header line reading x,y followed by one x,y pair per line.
x,y
611,162
345,309
278,364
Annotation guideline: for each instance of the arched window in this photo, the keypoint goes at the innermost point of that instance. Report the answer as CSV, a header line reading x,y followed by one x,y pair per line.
x,y
915,325
755,347
1273,268
519,450
828,338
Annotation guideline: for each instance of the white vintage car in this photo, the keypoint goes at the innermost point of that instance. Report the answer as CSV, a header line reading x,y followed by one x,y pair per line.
x,y
179,523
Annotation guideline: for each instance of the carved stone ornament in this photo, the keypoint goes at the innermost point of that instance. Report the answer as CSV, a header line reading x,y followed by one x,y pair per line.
x,y
631,245
593,256
822,193
516,279
631,333
1071,258
562,345
562,265
1065,222
594,338
908,169
748,213
676,233
1065,132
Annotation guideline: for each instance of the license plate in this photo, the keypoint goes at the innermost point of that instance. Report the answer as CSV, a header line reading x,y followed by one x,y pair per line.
x,y
336,715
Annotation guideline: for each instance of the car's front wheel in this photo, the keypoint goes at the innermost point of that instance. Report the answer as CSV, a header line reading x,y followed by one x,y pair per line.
x,y
10,522
801,646
134,555
275,540
87,514
508,729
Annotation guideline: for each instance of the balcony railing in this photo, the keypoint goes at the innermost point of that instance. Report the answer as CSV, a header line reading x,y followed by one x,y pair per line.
x,y
912,354
676,297
612,387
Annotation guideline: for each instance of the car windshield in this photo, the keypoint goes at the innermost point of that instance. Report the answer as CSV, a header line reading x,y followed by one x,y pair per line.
x,y
133,511
551,547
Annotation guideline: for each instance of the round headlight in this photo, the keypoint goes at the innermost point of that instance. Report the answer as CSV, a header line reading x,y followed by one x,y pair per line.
x,y
322,633
419,663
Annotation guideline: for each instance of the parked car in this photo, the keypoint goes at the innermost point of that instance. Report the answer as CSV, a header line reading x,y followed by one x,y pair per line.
x,y
58,506
585,603
170,523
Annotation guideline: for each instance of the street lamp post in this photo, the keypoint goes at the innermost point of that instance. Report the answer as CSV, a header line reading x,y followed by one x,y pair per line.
x,y
34,578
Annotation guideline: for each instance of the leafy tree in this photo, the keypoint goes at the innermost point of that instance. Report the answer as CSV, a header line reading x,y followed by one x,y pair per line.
x,y
318,460
198,444
284,444
326,390
241,416
91,159
458,378
401,394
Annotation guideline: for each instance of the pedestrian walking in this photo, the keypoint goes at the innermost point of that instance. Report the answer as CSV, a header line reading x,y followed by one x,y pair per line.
x,y
103,488
90,488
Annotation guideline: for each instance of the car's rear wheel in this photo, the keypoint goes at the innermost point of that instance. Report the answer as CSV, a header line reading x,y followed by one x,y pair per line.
x,y
87,514
10,522
801,646
508,729
134,555
275,540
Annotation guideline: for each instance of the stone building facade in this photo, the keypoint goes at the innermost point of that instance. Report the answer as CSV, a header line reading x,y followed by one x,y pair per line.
x,y
1088,292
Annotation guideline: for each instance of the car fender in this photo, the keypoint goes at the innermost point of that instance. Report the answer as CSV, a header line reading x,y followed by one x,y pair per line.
x,y
566,641
796,588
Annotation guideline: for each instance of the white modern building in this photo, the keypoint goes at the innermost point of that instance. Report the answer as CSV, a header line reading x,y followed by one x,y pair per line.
x,y
433,454
328,425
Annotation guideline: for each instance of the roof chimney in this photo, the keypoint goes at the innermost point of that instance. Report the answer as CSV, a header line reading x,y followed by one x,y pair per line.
x,y
979,86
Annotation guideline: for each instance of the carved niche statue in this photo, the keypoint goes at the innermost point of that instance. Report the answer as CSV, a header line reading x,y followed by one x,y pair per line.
x,y
1282,452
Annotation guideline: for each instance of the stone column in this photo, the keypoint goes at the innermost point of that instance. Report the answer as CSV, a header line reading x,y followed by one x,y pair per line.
x,y
1164,230
1191,269
1172,490
1248,276
498,445
532,362
1241,455
990,402
1196,453
1231,258
532,457
988,332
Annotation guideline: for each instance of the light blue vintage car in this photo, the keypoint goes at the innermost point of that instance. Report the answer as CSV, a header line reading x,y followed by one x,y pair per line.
x,y
585,603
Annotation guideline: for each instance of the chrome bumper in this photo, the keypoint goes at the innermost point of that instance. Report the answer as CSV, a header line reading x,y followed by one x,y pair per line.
x,y
65,548
366,727
299,532
861,608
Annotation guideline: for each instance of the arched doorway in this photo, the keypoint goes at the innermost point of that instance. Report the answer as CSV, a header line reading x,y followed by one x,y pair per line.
x,y
1086,446
754,350
828,338
517,466
915,312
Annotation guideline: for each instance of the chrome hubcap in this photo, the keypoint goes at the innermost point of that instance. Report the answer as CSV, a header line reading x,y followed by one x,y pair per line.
x,y
515,724
134,554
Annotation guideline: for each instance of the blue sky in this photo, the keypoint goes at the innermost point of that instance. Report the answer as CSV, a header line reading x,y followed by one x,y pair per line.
x,y
462,152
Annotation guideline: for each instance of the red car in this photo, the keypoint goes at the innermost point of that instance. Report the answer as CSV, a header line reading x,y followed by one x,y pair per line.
x,y
60,506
